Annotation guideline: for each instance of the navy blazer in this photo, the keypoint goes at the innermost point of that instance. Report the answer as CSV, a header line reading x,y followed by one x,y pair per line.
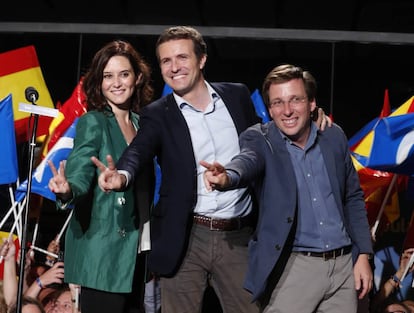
x,y
264,155
164,133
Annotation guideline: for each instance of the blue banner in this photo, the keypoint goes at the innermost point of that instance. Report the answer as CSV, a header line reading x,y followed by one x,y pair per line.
x,y
8,157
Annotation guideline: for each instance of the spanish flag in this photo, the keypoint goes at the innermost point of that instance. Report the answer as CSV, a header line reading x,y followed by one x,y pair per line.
x,y
20,69
74,107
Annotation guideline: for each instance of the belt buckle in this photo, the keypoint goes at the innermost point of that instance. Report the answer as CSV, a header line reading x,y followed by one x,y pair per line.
x,y
328,255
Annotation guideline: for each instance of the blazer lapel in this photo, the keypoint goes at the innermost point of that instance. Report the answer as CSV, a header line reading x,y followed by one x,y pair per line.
x,y
178,129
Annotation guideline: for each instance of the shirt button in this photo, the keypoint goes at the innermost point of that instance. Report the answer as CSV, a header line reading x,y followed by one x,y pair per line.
x,y
121,232
121,201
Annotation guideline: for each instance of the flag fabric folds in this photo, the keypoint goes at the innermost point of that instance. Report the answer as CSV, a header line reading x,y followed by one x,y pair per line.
x,y
20,69
8,158
43,173
361,143
390,130
375,182
259,106
392,149
74,107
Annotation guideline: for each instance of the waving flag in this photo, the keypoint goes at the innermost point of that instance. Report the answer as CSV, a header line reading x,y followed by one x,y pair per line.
x,y
43,173
375,184
8,158
20,69
361,143
259,106
392,141
386,107
381,198
74,107
392,148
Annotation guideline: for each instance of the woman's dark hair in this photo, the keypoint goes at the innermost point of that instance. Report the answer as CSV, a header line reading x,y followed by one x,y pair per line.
x,y
92,80
59,289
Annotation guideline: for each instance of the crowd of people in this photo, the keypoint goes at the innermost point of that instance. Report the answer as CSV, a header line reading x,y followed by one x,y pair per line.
x,y
253,210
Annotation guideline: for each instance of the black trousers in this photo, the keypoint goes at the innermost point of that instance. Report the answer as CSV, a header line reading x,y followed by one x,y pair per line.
x,y
98,301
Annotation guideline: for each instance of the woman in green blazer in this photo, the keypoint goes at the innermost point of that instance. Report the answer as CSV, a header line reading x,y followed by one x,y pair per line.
x,y
102,240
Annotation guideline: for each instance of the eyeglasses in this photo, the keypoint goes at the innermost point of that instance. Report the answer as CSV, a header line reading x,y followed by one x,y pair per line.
x,y
294,102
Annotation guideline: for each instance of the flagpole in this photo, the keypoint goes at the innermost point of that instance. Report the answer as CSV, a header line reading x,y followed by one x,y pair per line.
x,y
31,95
64,226
384,202
4,220
14,210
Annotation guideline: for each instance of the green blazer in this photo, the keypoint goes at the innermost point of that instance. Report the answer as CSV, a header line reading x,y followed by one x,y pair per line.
x,y
101,242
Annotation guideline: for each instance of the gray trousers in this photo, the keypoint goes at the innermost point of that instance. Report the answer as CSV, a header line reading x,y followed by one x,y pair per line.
x,y
311,284
215,258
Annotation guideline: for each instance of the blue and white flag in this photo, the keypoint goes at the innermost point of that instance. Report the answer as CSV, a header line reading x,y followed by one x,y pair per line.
x,y
8,156
392,149
43,173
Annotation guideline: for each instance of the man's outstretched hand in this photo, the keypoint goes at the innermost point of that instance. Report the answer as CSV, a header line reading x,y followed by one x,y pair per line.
x,y
215,175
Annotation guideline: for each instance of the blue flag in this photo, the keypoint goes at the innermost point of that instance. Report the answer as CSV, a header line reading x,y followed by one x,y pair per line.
x,y
260,107
392,148
167,90
43,173
8,156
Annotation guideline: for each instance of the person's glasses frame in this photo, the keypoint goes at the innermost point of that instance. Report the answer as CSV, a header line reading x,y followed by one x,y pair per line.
x,y
294,102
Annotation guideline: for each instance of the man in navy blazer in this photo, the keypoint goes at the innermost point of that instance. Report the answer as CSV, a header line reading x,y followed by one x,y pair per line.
x,y
197,238
311,206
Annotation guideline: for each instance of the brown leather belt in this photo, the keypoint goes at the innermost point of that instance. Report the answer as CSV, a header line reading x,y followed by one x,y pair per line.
x,y
222,224
328,255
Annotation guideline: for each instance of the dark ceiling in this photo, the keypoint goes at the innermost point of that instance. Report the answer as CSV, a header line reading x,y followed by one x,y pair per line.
x,y
352,76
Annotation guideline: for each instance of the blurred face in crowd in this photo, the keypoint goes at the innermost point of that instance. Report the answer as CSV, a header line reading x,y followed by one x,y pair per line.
x,y
63,304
